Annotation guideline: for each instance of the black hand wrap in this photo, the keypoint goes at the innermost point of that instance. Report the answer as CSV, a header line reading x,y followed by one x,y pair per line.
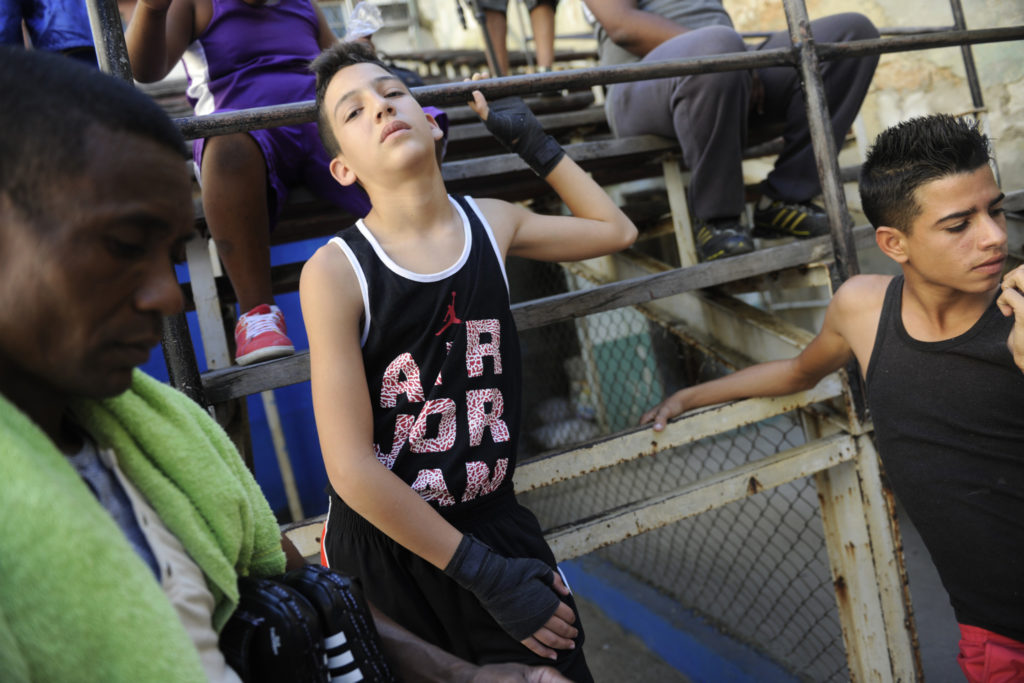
x,y
515,126
517,592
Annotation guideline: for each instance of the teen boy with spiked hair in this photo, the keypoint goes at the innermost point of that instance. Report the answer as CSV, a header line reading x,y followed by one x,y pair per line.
x,y
941,349
416,372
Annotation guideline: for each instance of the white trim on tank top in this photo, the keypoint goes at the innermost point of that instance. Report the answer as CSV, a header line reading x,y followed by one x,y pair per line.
x,y
363,287
467,242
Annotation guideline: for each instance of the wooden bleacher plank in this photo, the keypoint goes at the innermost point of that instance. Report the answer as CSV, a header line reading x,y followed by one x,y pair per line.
x,y
557,122
473,139
614,150
443,63
304,209
570,101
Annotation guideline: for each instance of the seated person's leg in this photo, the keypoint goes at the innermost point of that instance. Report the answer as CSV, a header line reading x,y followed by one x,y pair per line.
x,y
786,207
542,20
497,26
316,175
707,114
235,193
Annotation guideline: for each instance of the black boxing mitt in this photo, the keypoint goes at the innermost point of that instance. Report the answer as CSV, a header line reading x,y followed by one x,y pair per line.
x,y
517,591
515,127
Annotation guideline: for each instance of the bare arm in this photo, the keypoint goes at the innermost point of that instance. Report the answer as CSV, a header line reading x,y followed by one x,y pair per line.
x,y
417,661
826,353
332,306
631,28
157,35
325,36
1011,302
293,558
597,225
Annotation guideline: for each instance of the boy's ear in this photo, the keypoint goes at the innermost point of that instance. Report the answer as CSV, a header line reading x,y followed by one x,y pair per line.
x,y
435,127
892,242
342,172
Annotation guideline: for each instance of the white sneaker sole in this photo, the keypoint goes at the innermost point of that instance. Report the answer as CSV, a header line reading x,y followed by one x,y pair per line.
x,y
266,353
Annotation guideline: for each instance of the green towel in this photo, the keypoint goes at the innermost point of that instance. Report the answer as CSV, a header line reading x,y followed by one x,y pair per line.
x,y
76,601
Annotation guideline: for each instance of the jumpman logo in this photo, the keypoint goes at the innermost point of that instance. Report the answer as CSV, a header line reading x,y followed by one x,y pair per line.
x,y
449,317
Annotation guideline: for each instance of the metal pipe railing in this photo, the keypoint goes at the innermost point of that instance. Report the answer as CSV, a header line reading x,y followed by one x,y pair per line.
x,y
826,156
844,252
973,83
193,127
107,34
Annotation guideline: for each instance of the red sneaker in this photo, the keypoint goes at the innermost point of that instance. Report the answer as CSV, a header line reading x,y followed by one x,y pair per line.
x,y
260,335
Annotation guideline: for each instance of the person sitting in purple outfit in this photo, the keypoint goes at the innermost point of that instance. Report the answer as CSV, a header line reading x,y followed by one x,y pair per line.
x,y
240,54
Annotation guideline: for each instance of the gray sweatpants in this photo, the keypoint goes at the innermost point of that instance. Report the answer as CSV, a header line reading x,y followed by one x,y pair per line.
x,y
709,114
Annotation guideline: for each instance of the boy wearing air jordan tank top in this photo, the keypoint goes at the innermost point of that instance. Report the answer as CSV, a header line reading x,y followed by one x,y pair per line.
x,y
941,348
415,372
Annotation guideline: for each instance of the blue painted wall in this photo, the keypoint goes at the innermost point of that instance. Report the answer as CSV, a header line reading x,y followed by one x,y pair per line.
x,y
294,404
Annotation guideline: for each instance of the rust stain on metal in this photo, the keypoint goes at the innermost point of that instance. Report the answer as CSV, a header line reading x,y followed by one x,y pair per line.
x,y
753,486
839,584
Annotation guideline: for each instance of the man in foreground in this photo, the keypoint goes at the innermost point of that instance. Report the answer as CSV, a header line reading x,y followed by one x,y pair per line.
x,y
128,516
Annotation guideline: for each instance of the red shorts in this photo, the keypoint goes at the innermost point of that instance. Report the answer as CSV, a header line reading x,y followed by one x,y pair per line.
x,y
988,657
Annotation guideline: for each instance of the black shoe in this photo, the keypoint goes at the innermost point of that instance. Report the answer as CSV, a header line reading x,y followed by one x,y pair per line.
x,y
719,239
796,219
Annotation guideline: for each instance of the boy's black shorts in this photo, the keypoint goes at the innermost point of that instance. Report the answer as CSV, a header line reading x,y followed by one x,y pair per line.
x,y
421,598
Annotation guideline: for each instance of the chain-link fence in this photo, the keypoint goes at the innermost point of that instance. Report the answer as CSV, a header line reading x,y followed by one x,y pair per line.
x,y
757,569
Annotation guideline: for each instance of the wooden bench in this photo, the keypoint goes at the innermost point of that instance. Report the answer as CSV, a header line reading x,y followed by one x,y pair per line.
x,y
445,65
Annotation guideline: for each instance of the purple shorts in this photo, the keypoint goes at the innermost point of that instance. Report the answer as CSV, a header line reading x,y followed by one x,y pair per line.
x,y
294,156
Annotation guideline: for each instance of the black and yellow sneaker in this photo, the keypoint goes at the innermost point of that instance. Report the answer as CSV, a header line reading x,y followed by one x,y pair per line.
x,y
721,238
790,219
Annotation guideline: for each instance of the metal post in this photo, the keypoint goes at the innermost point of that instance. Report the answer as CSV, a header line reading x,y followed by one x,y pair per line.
x,y
972,72
180,357
825,153
112,56
108,34
844,264
523,23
